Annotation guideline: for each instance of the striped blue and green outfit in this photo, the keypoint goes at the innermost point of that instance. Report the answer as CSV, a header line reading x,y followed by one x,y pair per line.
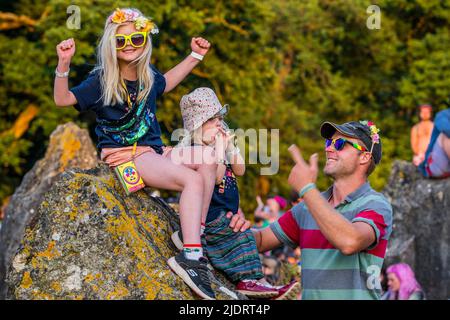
x,y
234,253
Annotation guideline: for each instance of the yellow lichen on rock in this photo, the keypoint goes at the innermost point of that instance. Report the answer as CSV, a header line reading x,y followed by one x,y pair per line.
x,y
26,280
91,241
71,145
51,251
39,295
56,286
125,227
119,292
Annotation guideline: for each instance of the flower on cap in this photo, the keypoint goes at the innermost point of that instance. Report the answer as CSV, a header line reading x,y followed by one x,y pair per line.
x,y
376,138
373,131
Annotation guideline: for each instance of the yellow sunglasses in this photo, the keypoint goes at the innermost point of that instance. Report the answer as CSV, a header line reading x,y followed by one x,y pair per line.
x,y
136,39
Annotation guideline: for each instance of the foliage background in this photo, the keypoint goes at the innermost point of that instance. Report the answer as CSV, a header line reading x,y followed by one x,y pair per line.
x,y
285,65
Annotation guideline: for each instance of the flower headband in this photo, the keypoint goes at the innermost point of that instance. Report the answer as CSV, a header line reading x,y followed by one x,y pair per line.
x,y
373,132
141,23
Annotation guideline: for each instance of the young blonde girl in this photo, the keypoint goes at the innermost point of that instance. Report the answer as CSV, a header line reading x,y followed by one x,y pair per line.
x,y
122,90
234,253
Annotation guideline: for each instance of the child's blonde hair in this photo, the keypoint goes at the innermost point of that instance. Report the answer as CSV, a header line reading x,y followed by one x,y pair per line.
x,y
113,91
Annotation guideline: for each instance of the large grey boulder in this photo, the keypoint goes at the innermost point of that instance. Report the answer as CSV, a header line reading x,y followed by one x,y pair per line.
x,y
89,240
421,231
69,147
85,238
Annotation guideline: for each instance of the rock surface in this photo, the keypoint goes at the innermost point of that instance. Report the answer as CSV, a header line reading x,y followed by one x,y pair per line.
x,y
91,241
421,231
69,147
85,239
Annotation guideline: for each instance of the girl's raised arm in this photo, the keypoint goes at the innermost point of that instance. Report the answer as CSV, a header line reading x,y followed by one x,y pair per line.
x,y
61,94
177,74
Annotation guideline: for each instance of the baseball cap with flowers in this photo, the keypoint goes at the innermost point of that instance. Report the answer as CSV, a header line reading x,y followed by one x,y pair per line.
x,y
366,131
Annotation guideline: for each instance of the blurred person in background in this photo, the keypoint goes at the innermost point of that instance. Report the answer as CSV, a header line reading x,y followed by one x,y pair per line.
x,y
421,133
272,210
436,163
271,269
402,284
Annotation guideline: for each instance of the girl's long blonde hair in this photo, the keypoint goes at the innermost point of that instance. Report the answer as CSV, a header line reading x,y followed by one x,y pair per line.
x,y
113,91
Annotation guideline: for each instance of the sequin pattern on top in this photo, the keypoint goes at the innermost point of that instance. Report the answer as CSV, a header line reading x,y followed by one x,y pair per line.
x,y
228,181
132,126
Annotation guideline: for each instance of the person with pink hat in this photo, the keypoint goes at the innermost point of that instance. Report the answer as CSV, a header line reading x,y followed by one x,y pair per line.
x,y
234,253
272,210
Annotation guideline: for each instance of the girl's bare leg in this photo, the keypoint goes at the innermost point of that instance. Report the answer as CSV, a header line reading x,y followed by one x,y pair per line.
x,y
201,159
160,172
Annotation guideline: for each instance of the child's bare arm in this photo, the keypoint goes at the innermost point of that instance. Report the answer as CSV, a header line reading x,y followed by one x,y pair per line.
x,y
235,157
220,148
61,93
237,164
177,74
221,168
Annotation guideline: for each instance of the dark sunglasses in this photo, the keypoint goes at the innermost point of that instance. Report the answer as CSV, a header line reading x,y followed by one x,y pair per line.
x,y
137,40
339,144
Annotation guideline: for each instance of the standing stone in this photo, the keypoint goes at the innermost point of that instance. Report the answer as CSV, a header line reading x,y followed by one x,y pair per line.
x,y
85,238
89,240
421,230
69,147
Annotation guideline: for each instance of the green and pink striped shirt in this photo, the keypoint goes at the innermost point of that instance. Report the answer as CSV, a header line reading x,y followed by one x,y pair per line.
x,y
326,272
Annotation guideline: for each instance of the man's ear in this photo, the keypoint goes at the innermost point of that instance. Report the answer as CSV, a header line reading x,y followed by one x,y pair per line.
x,y
365,157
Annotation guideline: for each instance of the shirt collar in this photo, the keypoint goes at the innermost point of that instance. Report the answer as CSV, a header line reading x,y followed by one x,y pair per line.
x,y
358,193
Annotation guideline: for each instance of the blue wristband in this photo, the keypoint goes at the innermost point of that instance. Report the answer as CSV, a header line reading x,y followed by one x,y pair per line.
x,y
306,188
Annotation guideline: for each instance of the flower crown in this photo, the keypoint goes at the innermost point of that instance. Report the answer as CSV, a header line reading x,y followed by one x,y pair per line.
x,y
373,132
141,23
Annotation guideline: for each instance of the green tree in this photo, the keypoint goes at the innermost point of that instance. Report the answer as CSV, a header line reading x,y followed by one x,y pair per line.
x,y
287,65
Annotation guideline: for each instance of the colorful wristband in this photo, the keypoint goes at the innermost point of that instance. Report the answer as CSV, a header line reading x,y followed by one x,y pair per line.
x,y
306,188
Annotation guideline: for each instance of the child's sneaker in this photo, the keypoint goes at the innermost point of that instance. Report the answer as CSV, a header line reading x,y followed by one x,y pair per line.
x,y
194,273
177,239
288,292
255,289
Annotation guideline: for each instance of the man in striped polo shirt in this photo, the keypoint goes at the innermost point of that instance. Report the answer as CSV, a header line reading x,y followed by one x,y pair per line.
x,y
343,231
